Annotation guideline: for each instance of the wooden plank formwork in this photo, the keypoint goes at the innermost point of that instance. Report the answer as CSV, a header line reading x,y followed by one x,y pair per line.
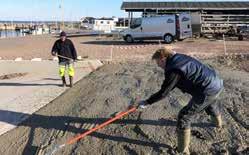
x,y
220,23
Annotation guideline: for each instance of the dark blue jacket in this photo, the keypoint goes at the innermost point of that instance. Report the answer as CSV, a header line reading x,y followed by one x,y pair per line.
x,y
196,78
65,49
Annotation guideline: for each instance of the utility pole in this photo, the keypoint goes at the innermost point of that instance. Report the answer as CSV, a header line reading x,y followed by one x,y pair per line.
x,y
62,13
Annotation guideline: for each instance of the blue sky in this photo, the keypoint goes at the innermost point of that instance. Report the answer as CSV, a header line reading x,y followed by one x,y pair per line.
x,y
49,9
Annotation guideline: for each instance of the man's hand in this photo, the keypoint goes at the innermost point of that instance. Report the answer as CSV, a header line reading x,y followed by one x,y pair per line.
x,y
139,105
72,61
53,54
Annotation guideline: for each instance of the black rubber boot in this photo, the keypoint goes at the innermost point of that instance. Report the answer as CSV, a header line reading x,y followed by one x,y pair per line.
x,y
71,81
63,81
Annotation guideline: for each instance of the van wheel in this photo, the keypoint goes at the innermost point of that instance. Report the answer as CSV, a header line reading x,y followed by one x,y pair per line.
x,y
129,39
168,38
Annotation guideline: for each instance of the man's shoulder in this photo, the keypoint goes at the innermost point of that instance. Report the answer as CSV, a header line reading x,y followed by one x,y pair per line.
x,y
181,55
181,58
58,41
68,40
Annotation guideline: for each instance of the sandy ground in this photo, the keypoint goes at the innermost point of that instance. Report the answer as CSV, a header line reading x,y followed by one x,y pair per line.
x,y
25,87
101,47
111,89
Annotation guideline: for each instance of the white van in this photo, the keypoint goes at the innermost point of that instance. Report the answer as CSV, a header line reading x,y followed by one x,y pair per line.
x,y
167,28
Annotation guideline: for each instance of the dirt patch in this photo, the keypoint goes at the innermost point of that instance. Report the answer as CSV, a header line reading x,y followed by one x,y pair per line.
x,y
111,89
234,61
245,66
12,76
95,47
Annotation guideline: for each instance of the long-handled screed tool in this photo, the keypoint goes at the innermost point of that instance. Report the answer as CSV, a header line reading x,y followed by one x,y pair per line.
x,y
75,139
64,57
91,67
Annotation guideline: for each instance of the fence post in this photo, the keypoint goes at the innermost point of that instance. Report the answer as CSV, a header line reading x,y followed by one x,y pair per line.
x,y
160,45
111,52
225,48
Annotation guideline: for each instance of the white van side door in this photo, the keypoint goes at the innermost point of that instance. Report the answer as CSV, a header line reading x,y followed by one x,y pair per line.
x,y
136,30
157,27
185,26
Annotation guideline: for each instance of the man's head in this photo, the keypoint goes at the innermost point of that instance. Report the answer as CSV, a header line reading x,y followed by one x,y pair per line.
x,y
161,55
63,36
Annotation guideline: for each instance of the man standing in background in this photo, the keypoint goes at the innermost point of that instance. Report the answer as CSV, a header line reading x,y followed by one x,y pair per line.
x,y
67,54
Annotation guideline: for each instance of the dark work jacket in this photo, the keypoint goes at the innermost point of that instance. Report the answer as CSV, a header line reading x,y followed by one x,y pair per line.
x,y
196,78
65,49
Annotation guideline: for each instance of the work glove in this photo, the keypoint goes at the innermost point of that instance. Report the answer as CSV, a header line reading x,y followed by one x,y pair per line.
x,y
71,61
53,54
139,105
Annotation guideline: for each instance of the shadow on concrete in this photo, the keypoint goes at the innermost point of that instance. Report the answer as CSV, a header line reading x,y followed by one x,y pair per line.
x,y
28,84
52,79
62,123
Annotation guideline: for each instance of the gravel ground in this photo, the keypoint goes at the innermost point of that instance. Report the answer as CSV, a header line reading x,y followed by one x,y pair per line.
x,y
110,89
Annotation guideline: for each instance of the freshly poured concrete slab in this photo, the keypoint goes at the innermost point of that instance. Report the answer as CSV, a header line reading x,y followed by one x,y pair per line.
x,y
37,86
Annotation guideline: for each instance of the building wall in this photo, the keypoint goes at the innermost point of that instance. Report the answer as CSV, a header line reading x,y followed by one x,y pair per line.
x,y
104,25
205,20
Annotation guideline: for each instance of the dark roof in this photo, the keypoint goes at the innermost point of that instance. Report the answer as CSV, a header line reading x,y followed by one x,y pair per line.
x,y
236,5
104,18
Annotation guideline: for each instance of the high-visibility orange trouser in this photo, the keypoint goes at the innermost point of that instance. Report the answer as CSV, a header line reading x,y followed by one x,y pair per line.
x,y
66,67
